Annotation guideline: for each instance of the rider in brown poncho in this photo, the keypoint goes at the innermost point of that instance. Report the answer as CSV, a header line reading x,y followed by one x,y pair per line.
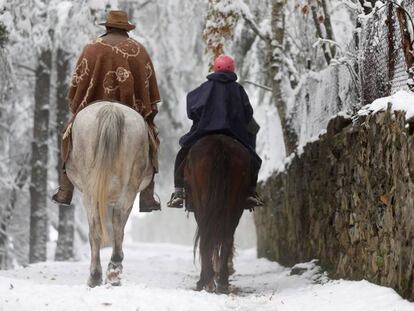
x,y
114,67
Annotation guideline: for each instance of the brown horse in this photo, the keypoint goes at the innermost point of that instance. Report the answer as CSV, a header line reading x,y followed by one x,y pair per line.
x,y
217,175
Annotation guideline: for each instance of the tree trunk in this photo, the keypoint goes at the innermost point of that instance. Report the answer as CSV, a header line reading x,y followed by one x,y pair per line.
x,y
391,44
275,48
320,35
38,186
4,152
329,49
4,238
19,182
328,27
4,224
64,247
405,38
406,42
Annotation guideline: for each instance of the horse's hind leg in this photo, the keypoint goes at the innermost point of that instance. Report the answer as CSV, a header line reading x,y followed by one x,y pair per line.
x,y
95,277
225,254
119,219
115,265
207,271
231,263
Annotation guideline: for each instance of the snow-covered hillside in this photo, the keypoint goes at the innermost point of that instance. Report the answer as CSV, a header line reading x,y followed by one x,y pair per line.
x,y
162,277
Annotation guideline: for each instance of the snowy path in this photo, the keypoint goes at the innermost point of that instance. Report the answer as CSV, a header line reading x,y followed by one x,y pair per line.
x,y
162,277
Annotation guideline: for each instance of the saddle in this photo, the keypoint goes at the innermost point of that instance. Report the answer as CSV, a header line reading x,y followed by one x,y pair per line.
x,y
153,133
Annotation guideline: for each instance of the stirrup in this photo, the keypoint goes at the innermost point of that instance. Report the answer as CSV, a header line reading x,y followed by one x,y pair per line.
x,y
144,208
177,200
253,201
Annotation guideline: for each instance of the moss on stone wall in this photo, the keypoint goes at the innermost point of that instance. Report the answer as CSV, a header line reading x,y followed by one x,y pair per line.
x,y
348,201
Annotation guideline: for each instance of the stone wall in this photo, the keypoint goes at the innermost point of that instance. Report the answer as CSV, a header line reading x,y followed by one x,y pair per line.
x,y
347,200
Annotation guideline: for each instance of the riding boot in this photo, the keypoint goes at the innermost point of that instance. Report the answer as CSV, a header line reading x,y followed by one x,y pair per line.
x,y
254,200
177,198
64,193
147,203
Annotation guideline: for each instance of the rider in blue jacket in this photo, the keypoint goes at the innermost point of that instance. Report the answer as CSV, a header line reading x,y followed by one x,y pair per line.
x,y
219,106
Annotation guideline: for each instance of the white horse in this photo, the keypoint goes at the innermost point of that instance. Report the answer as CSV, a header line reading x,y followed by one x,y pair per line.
x,y
109,163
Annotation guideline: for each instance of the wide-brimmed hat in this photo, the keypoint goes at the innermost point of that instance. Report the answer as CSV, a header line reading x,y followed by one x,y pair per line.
x,y
118,19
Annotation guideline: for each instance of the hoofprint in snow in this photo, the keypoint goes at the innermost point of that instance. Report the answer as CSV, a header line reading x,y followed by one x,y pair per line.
x,y
162,277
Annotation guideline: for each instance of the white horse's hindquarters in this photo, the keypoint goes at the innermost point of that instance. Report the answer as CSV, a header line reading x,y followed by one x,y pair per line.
x,y
136,169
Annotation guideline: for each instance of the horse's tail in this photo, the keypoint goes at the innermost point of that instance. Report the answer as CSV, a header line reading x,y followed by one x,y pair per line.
x,y
211,230
111,122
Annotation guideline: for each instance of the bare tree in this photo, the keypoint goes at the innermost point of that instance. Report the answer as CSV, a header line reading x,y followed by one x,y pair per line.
x,y
406,42
275,52
64,247
12,182
38,185
7,212
322,20
220,25
4,211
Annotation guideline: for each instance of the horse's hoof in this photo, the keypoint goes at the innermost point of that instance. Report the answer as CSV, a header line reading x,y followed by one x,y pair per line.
x,y
114,266
211,287
113,274
93,281
113,282
223,289
199,286
113,278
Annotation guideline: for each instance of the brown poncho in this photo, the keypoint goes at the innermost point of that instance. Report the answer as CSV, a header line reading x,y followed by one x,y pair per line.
x,y
124,73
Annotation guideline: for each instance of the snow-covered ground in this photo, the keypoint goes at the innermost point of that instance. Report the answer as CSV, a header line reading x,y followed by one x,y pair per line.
x,y
163,276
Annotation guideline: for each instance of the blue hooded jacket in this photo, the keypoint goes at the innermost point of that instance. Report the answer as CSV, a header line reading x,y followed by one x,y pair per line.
x,y
220,105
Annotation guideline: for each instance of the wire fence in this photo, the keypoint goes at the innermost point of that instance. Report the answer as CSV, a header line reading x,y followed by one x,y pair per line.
x,y
386,51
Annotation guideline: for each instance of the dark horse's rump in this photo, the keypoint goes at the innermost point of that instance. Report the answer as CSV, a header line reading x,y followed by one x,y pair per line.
x,y
217,175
